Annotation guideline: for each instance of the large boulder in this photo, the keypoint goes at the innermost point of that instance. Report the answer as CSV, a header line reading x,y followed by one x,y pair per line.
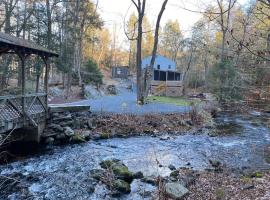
x,y
92,92
86,135
175,190
77,138
119,169
111,89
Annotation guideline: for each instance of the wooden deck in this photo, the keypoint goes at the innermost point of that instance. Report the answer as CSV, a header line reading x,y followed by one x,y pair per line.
x,y
167,88
14,115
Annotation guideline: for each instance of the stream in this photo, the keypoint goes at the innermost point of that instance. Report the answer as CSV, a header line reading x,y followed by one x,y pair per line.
x,y
62,172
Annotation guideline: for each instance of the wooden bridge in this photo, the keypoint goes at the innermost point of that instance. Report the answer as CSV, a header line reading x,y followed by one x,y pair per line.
x,y
24,110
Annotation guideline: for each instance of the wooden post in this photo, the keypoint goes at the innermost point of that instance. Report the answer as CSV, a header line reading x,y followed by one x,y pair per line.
x,y
166,83
23,57
46,82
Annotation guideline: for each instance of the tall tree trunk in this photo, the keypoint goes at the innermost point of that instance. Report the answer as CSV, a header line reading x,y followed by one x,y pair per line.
x,y
140,98
150,70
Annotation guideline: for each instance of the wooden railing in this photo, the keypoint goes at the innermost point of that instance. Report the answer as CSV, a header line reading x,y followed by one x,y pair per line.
x,y
20,111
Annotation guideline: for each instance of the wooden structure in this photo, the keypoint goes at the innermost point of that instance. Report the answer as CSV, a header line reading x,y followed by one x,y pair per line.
x,y
120,72
24,110
167,88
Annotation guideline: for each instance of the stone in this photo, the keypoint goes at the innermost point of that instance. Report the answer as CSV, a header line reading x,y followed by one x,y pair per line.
x,y
49,140
248,187
61,136
77,139
146,193
104,136
77,123
95,136
68,131
121,186
107,164
62,118
138,175
150,179
91,123
190,123
86,135
175,190
257,175
182,123
67,123
121,172
174,174
111,89
188,180
215,163
90,188
172,167
56,127
119,169
165,137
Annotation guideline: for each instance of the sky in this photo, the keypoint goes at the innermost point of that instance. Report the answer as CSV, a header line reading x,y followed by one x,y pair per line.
x,y
116,12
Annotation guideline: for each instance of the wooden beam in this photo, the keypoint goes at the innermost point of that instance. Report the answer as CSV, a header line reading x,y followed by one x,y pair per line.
x,y
46,83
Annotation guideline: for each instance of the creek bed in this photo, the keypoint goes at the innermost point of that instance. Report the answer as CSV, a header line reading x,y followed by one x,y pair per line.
x,y
63,171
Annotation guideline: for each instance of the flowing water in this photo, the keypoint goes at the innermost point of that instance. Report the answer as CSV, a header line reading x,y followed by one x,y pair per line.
x,y
63,172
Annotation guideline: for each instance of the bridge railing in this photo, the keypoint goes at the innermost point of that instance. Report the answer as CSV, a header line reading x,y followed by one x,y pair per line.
x,y
20,111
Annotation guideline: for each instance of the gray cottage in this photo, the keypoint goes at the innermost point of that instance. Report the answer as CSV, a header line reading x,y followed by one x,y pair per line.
x,y
164,69
166,80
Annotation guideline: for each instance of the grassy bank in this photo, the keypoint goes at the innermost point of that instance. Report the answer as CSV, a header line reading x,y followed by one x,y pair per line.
x,y
178,101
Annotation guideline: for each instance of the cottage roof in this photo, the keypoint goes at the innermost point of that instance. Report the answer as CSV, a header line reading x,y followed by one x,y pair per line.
x,y
9,43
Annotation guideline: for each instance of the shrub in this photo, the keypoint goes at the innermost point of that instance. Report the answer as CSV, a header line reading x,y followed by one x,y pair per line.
x,y
93,74
225,82
195,81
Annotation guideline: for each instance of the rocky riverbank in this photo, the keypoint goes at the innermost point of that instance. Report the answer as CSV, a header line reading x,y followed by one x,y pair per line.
x,y
216,182
233,165
77,127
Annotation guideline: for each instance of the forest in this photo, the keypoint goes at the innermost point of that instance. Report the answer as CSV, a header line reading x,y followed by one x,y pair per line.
x,y
226,51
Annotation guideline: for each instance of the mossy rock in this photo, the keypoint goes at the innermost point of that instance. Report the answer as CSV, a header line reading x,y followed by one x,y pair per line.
x,y
150,180
107,164
121,186
104,136
138,175
257,175
77,139
174,174
119,169
97,174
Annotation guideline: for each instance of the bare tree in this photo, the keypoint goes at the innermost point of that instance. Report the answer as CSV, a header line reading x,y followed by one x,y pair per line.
x,y
149,71
140,6
143,82
224,23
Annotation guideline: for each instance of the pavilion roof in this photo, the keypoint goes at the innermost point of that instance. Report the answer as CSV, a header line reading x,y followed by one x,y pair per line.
x,y
11,43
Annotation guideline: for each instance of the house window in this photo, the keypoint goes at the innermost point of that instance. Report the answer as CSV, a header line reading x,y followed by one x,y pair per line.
x,y
158,66
169,66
